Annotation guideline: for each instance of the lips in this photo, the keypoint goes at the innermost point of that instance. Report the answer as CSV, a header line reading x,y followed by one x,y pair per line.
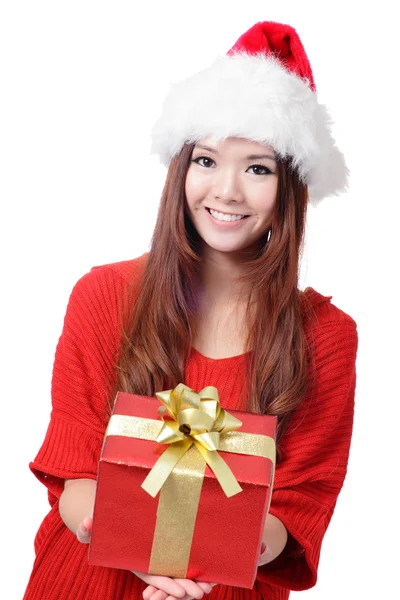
x,y
225,213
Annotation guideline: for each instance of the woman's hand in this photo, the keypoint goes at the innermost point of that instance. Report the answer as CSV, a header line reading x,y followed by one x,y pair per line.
x,y
167,588
265,555
76,506
159,587
163,588
84,531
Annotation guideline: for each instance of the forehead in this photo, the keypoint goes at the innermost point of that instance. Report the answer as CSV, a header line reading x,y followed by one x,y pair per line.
x,y
236,144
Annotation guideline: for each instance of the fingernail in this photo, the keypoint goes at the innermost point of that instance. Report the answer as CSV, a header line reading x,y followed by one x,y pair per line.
x,y
263,547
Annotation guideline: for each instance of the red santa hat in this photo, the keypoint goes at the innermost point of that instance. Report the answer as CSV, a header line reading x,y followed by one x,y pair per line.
x,y
262,90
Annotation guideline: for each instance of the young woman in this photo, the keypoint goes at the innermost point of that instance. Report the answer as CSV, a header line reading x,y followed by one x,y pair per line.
x,y
215,302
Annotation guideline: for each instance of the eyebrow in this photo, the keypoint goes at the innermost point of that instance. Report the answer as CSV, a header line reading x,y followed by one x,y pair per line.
x,y
250,157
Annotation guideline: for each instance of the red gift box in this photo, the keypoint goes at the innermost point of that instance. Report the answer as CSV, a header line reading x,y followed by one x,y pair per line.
x,y
190,528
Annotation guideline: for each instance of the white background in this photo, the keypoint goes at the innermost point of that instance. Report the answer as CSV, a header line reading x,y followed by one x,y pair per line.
x,y
81,86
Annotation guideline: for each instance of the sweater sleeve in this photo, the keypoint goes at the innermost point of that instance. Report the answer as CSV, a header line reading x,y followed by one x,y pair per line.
x,y
83,370
317,445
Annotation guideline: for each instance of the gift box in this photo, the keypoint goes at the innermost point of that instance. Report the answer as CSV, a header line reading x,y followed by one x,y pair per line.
x,y
183,487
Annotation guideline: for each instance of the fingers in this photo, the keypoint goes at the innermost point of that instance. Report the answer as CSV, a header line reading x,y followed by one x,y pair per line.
x,y
191,588
149,591
84,531
206,587
160,595
165,588
152,593
170,586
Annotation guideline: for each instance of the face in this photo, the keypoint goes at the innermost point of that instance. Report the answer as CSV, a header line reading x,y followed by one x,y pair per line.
x,y
231,188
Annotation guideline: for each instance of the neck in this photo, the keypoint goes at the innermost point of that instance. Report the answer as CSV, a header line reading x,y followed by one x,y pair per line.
x,y
219,277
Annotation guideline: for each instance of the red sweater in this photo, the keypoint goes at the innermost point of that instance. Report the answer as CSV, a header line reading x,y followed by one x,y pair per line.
x,y
307,482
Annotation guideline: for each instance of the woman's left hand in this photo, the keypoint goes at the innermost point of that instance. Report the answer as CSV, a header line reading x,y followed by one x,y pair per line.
x,y
265,555
152,593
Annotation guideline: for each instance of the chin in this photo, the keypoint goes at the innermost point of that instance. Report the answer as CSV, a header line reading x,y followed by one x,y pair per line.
x,y
225,248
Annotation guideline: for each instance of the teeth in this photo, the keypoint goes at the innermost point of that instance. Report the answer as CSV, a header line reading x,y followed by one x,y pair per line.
x,y
223,217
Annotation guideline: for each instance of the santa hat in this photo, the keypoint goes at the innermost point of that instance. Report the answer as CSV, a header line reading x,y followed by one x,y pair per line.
x,y
262,90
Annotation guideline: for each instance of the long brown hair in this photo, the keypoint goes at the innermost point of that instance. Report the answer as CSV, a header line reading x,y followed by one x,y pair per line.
x,y
157,337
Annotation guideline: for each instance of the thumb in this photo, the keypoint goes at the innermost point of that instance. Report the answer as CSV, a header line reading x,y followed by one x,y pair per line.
x,y
264,554
84,531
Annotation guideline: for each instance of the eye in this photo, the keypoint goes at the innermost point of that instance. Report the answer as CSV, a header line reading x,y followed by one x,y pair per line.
x,y
207,162
258,168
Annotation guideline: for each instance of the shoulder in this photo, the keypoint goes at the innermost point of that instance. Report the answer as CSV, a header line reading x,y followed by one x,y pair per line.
x,y
128,271
319,310
103,278
98,294
330,330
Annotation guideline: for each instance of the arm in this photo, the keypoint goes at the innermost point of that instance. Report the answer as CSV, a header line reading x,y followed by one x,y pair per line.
x,y
317,444
76,504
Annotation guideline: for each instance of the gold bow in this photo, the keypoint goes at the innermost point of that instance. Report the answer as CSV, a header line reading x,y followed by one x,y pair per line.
x,y
195,418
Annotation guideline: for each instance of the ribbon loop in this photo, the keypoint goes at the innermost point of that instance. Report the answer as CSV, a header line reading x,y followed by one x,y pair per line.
x,y
195,417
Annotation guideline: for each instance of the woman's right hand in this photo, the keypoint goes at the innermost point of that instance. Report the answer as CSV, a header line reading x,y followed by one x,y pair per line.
x,y
76,506
161,588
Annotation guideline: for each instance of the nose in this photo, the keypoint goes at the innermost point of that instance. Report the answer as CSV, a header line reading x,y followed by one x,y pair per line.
x,y
226,185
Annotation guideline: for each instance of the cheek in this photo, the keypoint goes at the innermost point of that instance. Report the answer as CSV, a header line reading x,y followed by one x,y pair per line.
x,y
265,205
195,189
190,191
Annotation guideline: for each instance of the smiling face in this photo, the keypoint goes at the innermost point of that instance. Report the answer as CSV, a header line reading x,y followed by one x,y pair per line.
x,y
231,188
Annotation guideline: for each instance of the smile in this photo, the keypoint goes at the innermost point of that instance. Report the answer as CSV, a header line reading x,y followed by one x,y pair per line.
x,y
220,216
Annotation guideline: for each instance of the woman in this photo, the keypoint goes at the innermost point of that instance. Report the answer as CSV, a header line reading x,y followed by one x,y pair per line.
x,y
214,302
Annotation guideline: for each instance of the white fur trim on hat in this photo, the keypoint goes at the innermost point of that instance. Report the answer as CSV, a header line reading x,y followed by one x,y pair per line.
x,y
254,97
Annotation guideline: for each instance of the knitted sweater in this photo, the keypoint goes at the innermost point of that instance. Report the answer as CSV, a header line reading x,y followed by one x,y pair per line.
x,y
307,481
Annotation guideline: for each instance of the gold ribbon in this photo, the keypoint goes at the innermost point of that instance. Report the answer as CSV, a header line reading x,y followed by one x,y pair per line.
x,y
197,428
194,418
